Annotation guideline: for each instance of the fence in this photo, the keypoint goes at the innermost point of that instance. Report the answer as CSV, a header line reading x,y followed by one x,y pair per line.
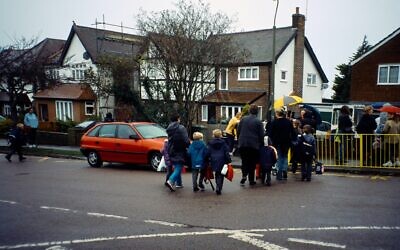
x,y
359,150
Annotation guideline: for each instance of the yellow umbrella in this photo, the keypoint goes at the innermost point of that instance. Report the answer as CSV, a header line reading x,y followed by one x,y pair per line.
x,y
287,100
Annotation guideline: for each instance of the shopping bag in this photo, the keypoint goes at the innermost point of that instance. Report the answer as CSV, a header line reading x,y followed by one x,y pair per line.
x,y
224,169
229,173
258,171
161,165
209,173
319,167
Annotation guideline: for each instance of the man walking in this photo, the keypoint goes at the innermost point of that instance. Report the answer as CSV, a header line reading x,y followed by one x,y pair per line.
x,y
250,139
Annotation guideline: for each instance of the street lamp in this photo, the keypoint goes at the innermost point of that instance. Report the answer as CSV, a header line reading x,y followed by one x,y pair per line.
x,y
272,77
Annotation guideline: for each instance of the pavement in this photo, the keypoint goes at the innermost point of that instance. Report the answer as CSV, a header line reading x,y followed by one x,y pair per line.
x,y
71,152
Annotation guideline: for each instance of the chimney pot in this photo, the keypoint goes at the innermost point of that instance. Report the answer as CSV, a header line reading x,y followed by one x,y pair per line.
x,y
297,10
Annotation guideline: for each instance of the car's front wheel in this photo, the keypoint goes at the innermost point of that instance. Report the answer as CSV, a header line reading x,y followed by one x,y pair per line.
x,y
94,160
155,159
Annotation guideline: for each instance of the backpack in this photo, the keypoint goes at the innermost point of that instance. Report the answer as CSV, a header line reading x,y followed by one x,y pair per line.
x,y
307,148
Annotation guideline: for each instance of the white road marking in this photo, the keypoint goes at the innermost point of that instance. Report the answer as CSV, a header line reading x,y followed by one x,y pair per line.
x,y
210,232
165,223
108,216
9,202
256,242
57,208
319,243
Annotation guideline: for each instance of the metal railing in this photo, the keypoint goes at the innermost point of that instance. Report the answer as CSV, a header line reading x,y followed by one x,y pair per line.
x,y
359,150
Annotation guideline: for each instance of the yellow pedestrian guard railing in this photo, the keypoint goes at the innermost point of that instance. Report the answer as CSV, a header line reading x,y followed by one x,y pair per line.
x,y
360,150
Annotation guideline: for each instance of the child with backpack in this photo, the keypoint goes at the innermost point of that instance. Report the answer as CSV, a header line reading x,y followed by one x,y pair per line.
x,y
268,158
309,152
197,152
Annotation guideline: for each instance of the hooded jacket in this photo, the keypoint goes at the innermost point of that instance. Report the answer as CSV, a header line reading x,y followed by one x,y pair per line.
x,y
218,154
197,152
178,141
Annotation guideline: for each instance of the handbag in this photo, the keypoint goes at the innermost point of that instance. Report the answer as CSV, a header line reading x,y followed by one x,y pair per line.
x,y
224,169
161,166
230,173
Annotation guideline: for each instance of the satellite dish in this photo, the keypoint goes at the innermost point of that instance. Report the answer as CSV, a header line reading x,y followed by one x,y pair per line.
x,y
85,55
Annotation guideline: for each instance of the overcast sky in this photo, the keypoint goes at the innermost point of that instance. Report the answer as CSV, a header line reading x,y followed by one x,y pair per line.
x,y
335,28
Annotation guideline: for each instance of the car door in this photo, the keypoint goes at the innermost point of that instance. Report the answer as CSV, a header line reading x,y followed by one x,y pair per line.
x,y
129,145
105,142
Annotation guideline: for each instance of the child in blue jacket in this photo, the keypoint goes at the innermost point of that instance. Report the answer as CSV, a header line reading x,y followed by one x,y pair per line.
x,y
197,152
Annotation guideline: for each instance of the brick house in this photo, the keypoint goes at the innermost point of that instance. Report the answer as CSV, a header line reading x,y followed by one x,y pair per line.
x,y
375,76
297,71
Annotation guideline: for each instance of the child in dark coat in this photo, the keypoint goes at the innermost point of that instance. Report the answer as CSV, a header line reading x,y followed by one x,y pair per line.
x,y
309,152
218,156
197,152
168,164
268,157
17,140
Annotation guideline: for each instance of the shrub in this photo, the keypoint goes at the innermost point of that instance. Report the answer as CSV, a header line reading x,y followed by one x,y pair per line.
x,y
5,126
63,126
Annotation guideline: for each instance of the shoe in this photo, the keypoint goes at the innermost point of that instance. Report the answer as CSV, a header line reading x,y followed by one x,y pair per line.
x,y
196,189
201,186
252,183
308,179
169,185
268,183
242,181
397,163
284,175
22,158
388,164
218,192
179,186
8,158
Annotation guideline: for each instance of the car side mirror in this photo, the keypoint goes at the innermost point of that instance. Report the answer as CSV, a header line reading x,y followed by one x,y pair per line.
x,y
135,137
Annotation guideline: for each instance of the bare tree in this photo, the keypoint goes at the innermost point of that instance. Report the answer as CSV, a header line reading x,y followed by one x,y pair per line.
x,y
186,49
21,71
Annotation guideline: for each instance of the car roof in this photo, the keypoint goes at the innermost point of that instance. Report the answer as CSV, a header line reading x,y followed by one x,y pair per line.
x,y
132,123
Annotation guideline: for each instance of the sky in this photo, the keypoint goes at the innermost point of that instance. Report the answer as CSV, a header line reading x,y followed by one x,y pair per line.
x,y
335,28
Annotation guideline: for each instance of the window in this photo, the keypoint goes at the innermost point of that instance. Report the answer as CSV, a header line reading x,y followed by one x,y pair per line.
x,y
89,108
107,131
124,131
248,73
204,113
283,75
311,79
6,110
64,110
223,79
227,112
388,74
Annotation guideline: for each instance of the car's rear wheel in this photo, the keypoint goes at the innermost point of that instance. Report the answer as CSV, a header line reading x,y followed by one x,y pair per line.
x,y
94,160
154,160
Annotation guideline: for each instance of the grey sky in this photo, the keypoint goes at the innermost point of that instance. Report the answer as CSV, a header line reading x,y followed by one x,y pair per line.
x,y
335,28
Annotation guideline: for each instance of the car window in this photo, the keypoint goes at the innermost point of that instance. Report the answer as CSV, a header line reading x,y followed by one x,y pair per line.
x,y
107,130
124,131
149,131
94,132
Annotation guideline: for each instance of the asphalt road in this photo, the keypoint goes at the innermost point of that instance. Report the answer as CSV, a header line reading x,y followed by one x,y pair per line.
x,y
50,203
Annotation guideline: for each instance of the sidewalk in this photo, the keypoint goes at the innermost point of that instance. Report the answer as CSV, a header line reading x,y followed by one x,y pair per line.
x,y
71,152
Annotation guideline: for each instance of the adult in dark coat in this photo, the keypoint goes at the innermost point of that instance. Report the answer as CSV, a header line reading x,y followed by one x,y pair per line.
x,y
178,142
281,134
345,127
250,139
17,140
366,128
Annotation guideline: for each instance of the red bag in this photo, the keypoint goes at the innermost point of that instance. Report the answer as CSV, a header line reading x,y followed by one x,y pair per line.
x,y
229,175
258,171
209,173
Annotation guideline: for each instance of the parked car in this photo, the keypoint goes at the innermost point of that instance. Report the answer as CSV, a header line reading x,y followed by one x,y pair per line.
x,y
136,142
2,118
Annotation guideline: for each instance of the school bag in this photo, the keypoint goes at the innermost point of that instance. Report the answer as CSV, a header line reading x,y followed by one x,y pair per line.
x,y
307,148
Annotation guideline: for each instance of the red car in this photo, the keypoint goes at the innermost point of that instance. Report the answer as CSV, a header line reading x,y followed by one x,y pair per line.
x,y
136,142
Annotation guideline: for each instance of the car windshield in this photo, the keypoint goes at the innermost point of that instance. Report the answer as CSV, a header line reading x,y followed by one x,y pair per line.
x,y
150,131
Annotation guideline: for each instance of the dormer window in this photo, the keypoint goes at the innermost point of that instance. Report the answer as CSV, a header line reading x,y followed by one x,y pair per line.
x,y
223,79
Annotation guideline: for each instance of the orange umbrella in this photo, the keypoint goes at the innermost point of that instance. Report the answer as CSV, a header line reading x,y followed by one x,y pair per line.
x,y
390,109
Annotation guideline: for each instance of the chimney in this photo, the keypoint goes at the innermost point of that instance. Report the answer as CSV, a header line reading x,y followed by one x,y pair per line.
x,y
298,22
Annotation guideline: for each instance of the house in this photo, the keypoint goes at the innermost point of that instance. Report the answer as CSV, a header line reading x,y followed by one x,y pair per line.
x,y
64,102
375,76
297,71
23,102
82,52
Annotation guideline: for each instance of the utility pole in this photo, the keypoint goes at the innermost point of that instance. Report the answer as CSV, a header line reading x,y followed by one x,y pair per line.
x,y
272,77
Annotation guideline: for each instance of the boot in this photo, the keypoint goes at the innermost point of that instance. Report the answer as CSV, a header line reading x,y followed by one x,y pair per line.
x,y
279,175
268,182
284,177
263,178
